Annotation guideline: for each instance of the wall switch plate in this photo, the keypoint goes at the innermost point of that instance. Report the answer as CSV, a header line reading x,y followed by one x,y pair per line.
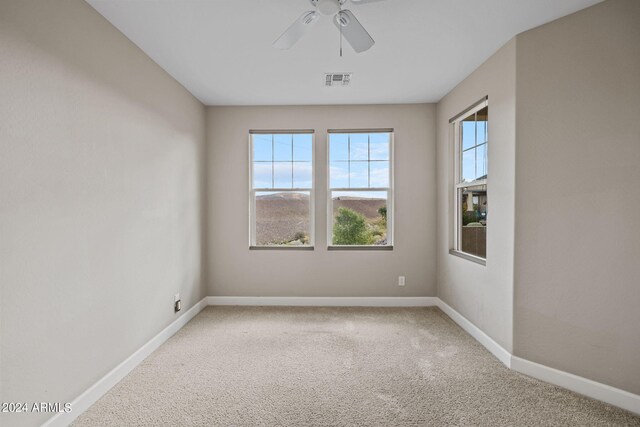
x,y
400,280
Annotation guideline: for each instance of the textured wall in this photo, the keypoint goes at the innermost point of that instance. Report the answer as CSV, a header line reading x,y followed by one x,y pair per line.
x,y
483,294
577,226
235,270
100,200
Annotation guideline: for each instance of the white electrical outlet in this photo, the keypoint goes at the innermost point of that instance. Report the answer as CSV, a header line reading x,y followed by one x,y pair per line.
x,y
177,304
400,280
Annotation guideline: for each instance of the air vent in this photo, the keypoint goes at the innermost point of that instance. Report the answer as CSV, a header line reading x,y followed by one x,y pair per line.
x,y
337,79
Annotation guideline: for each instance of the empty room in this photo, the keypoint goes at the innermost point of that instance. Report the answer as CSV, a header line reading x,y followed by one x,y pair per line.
x,y
319,213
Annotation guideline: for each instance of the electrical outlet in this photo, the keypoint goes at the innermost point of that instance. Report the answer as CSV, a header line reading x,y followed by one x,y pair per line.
x,y
177,304
400,280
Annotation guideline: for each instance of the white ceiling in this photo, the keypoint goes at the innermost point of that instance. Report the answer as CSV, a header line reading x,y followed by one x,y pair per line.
x,y
220,50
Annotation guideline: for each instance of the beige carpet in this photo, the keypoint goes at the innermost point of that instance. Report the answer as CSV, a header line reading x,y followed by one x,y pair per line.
x,y
259,366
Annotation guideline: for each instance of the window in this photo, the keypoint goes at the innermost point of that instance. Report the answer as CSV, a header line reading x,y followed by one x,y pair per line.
x,y
470,132
360,205
281,193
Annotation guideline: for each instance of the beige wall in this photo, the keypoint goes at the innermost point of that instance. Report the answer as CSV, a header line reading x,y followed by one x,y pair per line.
x,y
102,189
482,294
100,200
577,275
234,270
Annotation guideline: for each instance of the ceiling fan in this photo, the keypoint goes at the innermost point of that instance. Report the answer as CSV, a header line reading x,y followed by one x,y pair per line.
x,y
344,20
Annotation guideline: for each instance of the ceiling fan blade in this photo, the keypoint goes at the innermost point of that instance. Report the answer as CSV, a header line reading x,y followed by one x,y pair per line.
x,y
353,31
296,30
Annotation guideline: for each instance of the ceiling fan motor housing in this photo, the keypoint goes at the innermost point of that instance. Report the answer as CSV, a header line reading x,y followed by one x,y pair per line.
x,y
328,7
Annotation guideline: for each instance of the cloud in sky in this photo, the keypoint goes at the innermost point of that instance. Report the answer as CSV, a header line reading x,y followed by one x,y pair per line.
x,y
282,174
359,174
359,146
282,147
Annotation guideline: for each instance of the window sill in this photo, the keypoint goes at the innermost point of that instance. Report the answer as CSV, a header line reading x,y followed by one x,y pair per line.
x,y
281,248
468,257
360,248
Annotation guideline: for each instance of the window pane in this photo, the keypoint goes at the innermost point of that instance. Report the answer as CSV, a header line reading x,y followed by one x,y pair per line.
x,y
282,174
282,145
262,147
469,165
302,147
481,132
339,147
481,162
359,146
473,215
482,119
379,174
262,175
282,218
359,218
359,176
468,130
302,172
339,174
379,146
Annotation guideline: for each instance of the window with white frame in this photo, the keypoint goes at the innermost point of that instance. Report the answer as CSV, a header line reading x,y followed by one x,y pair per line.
x,y
360,195
281,189
471,140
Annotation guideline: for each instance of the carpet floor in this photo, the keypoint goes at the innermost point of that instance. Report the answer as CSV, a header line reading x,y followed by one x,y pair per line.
x,y
274,366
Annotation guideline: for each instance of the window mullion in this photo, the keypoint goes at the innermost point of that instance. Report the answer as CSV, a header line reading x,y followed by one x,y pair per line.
x,y
349,160
475,150
369,160
459,151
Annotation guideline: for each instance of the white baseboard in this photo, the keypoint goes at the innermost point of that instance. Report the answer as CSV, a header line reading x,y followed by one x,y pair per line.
x,y
96,391
584,386
494,348
327,301
581,385
595,390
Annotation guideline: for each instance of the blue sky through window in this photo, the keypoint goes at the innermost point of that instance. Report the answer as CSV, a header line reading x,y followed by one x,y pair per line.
x,y
302,147
282,160
359,160
262,148
359,146
474,148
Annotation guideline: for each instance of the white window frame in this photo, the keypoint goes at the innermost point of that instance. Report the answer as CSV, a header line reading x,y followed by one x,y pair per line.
x,y
388,190
253,191
458,182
